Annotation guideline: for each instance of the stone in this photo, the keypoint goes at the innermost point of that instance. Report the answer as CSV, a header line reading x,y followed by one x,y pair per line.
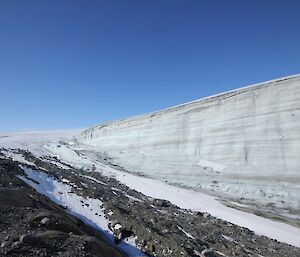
x,y
28,239
44,220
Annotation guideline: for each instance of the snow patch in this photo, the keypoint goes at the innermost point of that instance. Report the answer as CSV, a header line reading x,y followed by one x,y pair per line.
x,y
93,179
17,157
211,166
84,208
186,233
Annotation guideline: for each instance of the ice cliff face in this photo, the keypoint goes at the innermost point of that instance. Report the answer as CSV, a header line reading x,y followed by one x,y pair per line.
x,y
244,143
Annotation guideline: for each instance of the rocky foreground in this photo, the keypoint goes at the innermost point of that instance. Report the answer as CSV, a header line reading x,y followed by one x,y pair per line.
x,y
32,225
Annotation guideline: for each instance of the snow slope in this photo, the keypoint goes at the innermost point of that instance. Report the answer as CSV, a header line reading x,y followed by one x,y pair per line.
x,y
244,143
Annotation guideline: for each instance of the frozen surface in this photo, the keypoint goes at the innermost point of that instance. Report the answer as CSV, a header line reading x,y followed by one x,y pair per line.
x,y
244,144
33,140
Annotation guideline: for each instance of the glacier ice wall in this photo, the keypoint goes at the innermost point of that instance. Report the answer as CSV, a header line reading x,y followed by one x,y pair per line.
x,y
244,143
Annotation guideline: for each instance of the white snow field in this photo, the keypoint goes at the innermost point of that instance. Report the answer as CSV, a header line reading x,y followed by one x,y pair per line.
x,y
33,140
244,143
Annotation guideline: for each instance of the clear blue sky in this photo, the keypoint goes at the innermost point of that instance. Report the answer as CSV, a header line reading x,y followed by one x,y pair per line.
x,y
72,64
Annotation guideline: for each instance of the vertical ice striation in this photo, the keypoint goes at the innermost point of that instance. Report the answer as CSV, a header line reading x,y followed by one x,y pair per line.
x,y
244,143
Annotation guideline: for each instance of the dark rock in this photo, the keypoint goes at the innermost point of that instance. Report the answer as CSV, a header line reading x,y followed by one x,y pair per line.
x,y
98,248
13,197
51,234
29,239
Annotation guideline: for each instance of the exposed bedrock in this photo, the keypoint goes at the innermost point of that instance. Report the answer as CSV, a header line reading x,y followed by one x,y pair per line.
x,y
244,143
